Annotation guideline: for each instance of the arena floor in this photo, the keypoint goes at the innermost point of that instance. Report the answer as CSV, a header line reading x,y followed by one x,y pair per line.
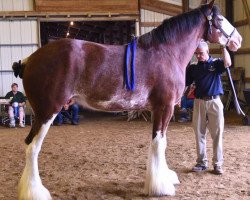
x,y
105,158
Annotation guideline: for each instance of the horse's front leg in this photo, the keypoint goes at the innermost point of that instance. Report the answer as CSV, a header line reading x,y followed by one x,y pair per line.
x,y
30,186
160,179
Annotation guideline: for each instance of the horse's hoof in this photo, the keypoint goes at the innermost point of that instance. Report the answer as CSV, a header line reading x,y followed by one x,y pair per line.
x,y
173,177
163,188
34,192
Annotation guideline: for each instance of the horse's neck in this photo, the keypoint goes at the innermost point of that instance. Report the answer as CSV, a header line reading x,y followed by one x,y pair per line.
x,y
186,45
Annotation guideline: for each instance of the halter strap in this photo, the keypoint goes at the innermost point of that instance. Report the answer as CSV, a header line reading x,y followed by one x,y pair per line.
x,y
210,20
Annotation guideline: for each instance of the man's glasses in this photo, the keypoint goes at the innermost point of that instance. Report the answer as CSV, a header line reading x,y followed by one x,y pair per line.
x,y
199,53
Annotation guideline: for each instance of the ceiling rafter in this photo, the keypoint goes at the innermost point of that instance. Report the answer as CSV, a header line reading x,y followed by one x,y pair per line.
x,y
161,7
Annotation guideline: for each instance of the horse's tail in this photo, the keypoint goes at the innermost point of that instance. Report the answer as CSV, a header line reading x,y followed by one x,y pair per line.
x,y
18,68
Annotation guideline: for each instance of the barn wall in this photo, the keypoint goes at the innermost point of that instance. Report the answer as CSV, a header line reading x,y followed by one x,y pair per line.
x,y
243,60
18,39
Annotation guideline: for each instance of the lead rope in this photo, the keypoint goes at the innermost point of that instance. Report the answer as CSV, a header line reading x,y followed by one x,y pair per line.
x,y
236,103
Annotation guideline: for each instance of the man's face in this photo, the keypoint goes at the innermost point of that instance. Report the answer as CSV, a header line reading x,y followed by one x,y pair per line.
x,y
202,54
14,88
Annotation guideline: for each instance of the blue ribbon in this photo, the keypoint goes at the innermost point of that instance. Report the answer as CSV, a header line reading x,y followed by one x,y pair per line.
x,y
130,85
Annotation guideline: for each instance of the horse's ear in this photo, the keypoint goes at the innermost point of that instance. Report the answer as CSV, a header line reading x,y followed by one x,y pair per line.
x,y
211,4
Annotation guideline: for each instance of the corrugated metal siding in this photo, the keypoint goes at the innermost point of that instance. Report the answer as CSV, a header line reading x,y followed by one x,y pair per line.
x,y
149,16
242,60
16,5
20,39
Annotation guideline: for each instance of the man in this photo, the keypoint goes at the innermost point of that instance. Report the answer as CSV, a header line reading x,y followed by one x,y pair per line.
x,y
70,110
187,103
16,106
208,108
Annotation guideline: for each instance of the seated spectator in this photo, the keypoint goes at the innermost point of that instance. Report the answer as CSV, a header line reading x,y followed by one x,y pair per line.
x,y
16,106
70,112
187,102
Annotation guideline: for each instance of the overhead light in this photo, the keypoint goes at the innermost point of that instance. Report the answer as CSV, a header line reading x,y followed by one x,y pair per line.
x,y
71,23
67,34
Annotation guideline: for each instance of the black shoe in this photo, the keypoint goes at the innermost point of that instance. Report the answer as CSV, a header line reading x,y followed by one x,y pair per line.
x,y
199,168
66,121
57,124
74,123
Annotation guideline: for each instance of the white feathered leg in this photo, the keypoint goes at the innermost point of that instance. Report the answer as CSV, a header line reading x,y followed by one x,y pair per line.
x,y
160,179
30,186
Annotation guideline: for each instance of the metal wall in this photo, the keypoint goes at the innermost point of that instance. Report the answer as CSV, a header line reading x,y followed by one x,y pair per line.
x,y
243,60
18,39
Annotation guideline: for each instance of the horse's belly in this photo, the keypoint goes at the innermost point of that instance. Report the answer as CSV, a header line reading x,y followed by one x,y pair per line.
x,y
116,104
136,101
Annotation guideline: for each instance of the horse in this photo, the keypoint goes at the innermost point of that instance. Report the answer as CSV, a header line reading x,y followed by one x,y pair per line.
x,y
93,74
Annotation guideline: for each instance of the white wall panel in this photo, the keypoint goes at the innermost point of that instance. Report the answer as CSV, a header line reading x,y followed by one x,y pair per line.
x,y
28,5
5,28
7,81
194,3
243,61
20,39
34,32
34,48
7,5
6,58
245,33
26,32
239,11
16,53
15,32
16,5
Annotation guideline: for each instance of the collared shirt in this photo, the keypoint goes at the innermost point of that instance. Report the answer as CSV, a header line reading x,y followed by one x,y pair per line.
x,y
207,77
18,97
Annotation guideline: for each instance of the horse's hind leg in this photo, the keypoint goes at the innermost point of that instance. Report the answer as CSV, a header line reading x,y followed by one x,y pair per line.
x,y
30,186
160,179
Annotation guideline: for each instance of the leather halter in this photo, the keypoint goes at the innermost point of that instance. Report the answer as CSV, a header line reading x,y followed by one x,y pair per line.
x,y
211,23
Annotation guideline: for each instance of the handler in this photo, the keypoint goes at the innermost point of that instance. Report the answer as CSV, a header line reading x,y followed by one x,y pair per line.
x,y
208,108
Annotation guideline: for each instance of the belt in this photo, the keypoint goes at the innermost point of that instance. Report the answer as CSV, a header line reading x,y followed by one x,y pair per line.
x,y
208,98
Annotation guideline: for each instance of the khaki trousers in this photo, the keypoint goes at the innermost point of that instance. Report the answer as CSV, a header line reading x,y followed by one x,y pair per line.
x,y
208,115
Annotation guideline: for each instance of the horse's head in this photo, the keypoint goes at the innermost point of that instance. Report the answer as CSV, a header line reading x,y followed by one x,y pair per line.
x,y
220,30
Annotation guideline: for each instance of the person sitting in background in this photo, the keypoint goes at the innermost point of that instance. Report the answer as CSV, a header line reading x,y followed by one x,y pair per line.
x,y
16,106
70,111
187,102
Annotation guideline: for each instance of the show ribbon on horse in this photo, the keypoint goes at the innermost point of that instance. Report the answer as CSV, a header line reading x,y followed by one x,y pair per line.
x,y
130,84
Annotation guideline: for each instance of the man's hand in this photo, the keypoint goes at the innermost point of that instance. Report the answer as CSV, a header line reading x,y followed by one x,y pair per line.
x,y
226,57
66,106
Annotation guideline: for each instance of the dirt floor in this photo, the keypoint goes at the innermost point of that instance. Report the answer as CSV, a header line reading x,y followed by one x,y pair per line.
x,y
104,158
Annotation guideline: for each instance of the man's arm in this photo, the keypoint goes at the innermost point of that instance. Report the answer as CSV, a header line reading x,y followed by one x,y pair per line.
x,y
189,78
8,95
226,57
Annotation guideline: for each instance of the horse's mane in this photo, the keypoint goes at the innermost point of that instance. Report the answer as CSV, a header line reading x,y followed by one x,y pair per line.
x,y
172,28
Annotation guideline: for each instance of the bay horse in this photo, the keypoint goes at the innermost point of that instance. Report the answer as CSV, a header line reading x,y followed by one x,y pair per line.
x,y
93,74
